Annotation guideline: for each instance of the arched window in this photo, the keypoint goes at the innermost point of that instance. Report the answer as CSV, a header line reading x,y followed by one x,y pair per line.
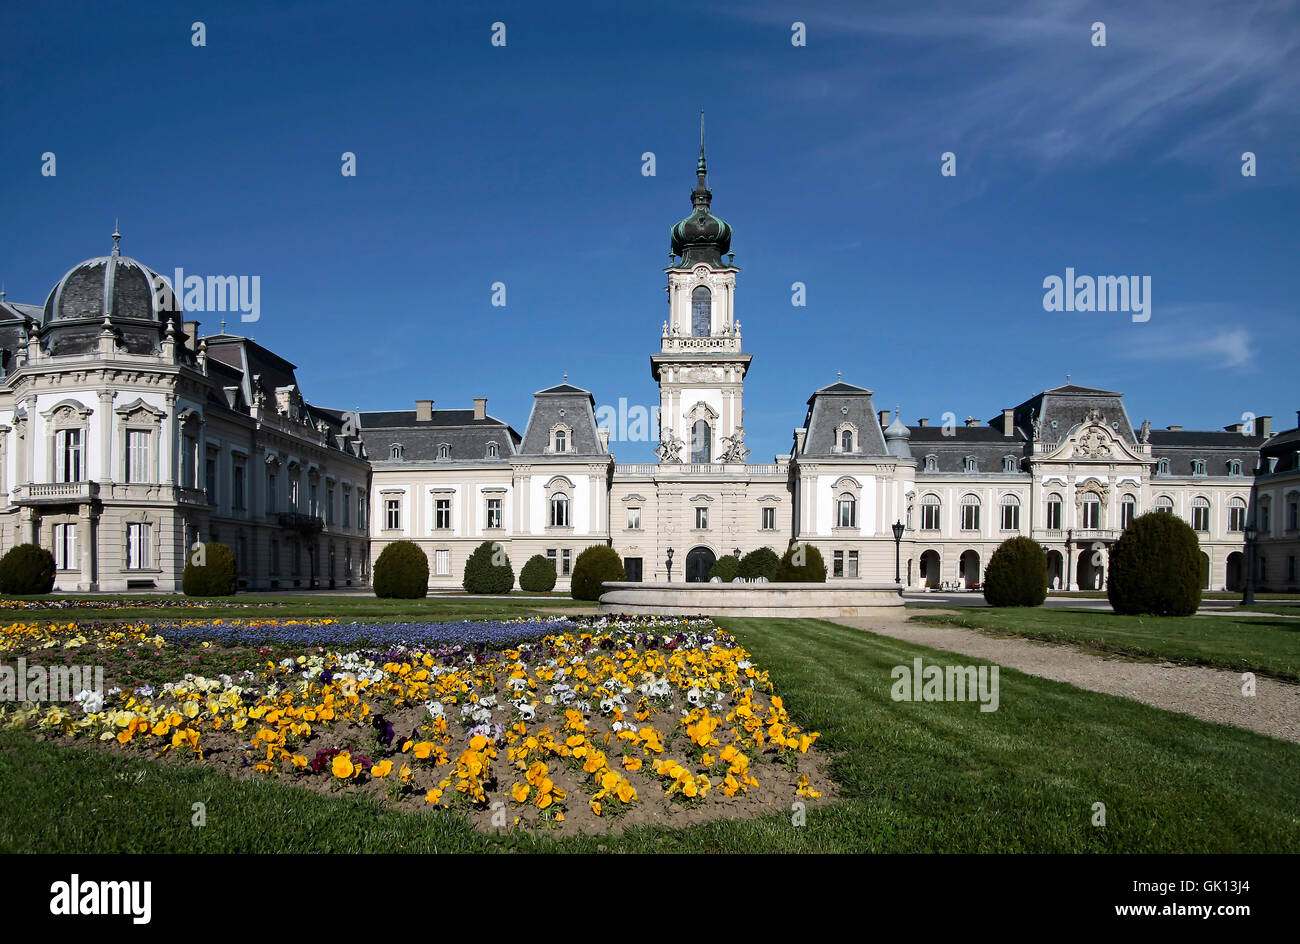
x,y
492,451
701,311
1198,467
1091,509
846,440
1162,467
444,451
395,451
1200,514
1008,463
1054,512
1165,503
969,464
561,441
1010,513
931,511
970,513
932,463
701,442
847,516
559,511
1237,515
1127,510
1234,467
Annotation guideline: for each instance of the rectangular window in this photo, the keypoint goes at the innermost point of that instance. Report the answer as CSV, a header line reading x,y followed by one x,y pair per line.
x,y
137,546
848,513
1126,512
293,493
187,462
634,519
442,563
930,517
137,455
632,568
442,514
237,496
329,504
210,479
393,514
701,519
551,555
1091,515
494,512
1237,518
65,546
1200,518
769,519
1010,517
272,480
347,508
1053,516
851,567
837,565
1292,512
566,563
67,458
970,517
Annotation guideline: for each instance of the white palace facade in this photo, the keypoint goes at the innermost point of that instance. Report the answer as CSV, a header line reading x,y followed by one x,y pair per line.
x,y
125,437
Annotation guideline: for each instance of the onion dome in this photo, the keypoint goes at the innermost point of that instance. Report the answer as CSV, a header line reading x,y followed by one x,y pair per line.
x,y
898,438
701,237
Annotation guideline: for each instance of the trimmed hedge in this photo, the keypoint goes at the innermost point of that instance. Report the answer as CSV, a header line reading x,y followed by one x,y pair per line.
x,y
488,570
26,569
1016,574
811,570
594,567
725,568
401,571
1155,567
538,575
762,562
215,577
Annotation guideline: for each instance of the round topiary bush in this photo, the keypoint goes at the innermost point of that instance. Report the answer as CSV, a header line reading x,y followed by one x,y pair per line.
x,y
26,569
725,568
538,575
1155,567
209,571
488,570
762,562
1016,574
401,571
594,567
801,563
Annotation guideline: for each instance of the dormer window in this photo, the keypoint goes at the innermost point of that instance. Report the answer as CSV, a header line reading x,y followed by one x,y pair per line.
x,y
932,463
493,452
846,441
968,464
561,437
561,441
1198,467
444,450
395,451
1234,467
1162,467
1008,463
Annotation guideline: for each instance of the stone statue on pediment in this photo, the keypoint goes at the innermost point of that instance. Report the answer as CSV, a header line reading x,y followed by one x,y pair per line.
x,y
670,447
1145,435
735,450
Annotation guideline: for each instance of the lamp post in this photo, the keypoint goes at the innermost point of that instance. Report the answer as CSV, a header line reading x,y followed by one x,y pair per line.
x,y
899,527
1248,596
669,564
736,552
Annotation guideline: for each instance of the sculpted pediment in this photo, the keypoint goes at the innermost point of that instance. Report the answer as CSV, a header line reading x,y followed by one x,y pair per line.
x,y
1094,441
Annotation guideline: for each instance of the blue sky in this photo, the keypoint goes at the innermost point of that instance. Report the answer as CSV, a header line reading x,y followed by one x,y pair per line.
x,y
522,164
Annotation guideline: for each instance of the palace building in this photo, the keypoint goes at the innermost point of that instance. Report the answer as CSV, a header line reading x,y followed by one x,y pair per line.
x,y
125,438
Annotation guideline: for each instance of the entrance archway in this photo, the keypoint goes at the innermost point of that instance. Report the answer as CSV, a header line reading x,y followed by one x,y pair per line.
x,y
1236,572
1090,576
1055,570
930,569
969,569
699,562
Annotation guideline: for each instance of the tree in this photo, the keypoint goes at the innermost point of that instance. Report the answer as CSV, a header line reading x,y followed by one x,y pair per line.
x,y
209,571
1155,567
26,569
1016,574
488,569
596,566
538,575
762,562
801,563
401,571
725,568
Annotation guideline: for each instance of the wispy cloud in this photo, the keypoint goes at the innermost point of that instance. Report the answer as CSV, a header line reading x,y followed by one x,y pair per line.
x,y
1205,334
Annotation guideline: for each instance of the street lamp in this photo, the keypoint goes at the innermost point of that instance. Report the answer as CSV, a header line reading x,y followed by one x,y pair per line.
x,y
669,564
1248,597
899,528
737,553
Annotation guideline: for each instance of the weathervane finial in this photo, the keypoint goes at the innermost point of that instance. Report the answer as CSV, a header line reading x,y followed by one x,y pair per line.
x,y
116,236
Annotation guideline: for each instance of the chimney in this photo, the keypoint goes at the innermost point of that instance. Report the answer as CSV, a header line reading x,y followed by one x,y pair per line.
x,y
191,331
971,421
884,418
923,421
1264,426
423,411
1173,429
1008,422
799,436
480,408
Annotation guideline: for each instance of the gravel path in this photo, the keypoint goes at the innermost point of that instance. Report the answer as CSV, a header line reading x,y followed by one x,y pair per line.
x,y
1210,694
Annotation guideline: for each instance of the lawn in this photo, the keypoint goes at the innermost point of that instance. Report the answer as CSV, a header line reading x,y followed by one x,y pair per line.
x,y
930,776
1241,644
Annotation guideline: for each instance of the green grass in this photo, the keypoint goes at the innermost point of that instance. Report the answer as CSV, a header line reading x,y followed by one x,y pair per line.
x,y
915,777
1240,644
343,607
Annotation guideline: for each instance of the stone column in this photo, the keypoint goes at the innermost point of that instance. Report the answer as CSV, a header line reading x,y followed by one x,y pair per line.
x,y
87,538
105,436
171,438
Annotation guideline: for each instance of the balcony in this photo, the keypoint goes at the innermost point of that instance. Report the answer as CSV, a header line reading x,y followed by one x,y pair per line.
x,y
1094,534
56,493
303,524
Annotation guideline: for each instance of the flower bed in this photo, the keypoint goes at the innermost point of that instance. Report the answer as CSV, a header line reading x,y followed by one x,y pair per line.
x,y
564,724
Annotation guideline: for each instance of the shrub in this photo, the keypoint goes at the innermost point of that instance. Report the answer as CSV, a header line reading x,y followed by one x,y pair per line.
x,y
594,567
214,573
538,575
401,571
26,569
488,570
762,562
1155,567
725,568
801,563
1016,574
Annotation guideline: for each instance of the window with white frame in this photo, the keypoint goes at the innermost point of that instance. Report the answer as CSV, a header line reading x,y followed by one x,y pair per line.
x,y
67,455
442,563
272,490
846,440
444,450
633,518
1234,467
768,522
559,510
347,507
847,511
1198,467
969,464
837,564
392,514
561,438
1010,513
566,562
1236,515
1162,467
138,534
1200,514
1292,512
851,565
701,519
1090,510
494,512
1165,504
932,463
1127,510
493,451
970,513
65,546
442,514
1054,505
1008,463
395,451
931,511
137,455
329,503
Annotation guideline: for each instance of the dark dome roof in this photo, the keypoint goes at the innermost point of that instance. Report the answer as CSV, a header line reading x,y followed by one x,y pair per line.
x,y
115,285
701,237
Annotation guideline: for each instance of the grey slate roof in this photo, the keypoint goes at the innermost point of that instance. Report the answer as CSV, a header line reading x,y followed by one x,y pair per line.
x,y
563,403
1068,406
420,440
1216,447
834,404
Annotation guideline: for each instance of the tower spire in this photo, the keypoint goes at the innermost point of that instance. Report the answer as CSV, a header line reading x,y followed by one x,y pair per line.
x,y
701,168
116,236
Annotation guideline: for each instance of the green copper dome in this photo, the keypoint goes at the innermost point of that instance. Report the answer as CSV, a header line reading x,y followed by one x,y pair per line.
x,y
701,237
